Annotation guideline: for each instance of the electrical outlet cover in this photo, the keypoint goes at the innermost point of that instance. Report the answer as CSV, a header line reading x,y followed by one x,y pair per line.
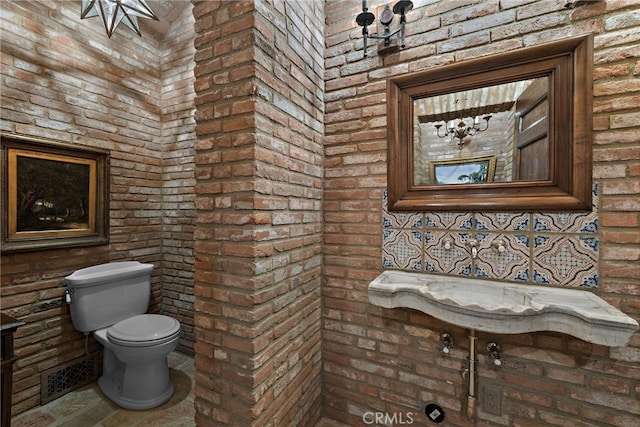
x,y
491,400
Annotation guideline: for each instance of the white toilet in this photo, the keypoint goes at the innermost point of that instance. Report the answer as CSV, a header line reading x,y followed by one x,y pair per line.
x,y
110,300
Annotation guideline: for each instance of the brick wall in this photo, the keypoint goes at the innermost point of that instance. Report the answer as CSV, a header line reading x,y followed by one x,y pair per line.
x,y
178,181
389,361
257,268
259,101
63,78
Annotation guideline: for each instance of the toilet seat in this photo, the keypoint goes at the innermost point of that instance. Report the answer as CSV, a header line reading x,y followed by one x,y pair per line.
x,y
144,330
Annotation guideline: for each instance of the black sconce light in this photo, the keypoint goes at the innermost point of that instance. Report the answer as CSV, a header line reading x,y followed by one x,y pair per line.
x,y
569,4
366,18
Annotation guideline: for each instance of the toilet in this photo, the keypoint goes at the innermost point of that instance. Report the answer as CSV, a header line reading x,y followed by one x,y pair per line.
x,y
110,300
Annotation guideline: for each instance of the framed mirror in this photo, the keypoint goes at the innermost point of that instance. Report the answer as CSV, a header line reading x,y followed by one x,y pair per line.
x,y
507,132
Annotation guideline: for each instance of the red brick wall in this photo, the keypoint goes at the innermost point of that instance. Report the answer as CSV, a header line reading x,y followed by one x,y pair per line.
x,y
64,79
178,180
258,225
258,249
389,361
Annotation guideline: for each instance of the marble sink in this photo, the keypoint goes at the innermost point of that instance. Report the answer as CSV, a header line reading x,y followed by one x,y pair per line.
x,y
504,307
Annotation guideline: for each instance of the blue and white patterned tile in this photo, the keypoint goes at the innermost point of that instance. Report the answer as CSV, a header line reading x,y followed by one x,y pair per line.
x,y
569,222
402,220
502,221
399,219
385,201
564,222
402,249
449,220
451,259
565,260
511,264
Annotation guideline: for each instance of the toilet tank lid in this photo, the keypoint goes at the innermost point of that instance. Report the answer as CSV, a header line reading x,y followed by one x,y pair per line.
x,y
102,273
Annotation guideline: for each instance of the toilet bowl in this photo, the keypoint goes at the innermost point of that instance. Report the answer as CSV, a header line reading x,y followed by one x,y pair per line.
x,y
135,373
110,300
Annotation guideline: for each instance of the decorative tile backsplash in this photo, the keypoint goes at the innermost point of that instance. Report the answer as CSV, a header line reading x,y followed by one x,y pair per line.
x,y
558,249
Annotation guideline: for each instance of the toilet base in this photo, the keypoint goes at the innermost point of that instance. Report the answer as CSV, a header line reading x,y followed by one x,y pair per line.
x,y
114,392
136,377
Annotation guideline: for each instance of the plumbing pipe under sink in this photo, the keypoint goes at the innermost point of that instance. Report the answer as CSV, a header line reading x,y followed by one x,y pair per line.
x,y
470,374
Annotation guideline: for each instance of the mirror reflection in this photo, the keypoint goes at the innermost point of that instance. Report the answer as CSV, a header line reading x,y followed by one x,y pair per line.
x,y
495,133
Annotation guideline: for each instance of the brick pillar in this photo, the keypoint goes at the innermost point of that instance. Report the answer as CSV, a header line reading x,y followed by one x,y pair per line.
x,y
258,223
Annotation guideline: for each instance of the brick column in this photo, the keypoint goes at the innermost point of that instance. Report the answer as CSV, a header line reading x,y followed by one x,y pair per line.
x,y
258,200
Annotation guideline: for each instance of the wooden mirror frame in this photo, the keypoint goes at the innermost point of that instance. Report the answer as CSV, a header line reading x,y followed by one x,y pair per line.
x,y
569,65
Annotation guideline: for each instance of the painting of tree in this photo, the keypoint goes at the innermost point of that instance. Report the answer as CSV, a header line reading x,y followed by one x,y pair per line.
x,y
55,194
477,176
463,171
51,194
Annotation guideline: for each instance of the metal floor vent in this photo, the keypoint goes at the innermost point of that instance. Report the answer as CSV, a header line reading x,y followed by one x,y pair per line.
x,y
62,379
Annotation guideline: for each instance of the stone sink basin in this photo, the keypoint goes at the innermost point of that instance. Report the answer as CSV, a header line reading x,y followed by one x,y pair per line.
x,y
503,307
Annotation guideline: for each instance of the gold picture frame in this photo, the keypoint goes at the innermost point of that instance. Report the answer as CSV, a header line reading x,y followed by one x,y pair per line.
x,y
472,170
54,194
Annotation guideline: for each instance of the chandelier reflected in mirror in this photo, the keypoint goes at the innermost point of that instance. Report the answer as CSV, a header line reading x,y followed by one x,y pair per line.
x,y
461,131
113,12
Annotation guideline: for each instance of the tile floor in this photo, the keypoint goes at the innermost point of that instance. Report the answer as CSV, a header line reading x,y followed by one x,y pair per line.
x,y
87,406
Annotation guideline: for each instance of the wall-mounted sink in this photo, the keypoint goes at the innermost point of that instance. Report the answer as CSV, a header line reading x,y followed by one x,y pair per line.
x,y
503,307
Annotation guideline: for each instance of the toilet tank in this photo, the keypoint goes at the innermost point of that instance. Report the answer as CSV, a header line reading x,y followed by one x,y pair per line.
x,y
102,295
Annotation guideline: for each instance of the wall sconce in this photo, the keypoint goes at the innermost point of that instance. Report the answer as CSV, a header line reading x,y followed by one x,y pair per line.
x,y
113,12
575,3
366,18
461,130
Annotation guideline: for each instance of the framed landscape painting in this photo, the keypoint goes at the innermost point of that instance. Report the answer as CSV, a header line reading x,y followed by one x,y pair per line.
x,y
53,194
463,171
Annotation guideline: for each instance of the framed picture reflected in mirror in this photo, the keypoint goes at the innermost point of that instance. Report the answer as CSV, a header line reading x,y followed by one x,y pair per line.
x,y
473,170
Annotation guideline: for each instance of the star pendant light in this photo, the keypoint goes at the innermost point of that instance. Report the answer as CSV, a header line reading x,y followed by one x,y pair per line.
x,y
113,12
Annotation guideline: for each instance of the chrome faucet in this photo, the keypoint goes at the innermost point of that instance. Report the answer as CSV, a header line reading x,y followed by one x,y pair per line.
x,y
473,244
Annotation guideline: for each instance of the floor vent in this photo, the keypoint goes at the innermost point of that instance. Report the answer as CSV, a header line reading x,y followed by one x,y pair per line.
x,y
62,379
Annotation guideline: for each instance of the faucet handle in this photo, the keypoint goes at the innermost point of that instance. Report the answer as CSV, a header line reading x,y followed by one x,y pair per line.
x,y
447,243
500,245
494,353
447,340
